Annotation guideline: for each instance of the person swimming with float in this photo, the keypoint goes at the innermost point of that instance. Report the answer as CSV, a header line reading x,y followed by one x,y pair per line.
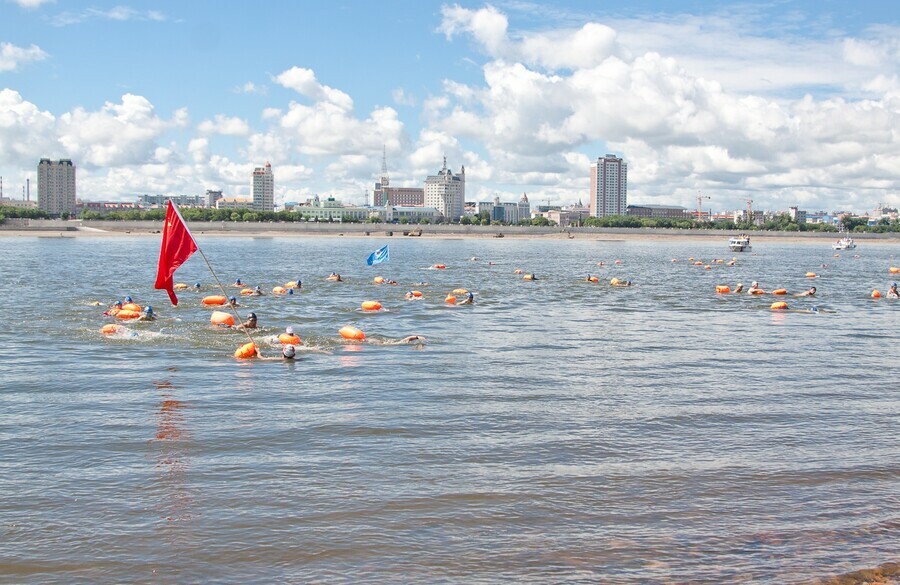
x,y
237,282
233,301
469,300
113,309
250,323
754,288
892,292
739,288
335,277
147,314
196,286
808,293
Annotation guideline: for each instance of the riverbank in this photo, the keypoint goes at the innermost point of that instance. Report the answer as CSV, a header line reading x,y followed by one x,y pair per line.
x,y
103,229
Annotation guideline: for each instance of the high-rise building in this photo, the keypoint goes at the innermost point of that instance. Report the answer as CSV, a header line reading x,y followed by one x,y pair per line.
x,y
609,186
56,186
446,192
262,188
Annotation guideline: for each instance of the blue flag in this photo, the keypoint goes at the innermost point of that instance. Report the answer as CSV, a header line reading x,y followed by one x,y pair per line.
x,y
378,256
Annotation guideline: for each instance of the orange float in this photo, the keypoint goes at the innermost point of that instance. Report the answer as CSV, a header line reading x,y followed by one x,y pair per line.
x,y
131,307
180,286
379,280
698,263
723,288
291,284
876,294
450,299
811,275
214,300
757,292
221,318
440,266
779,291
371,306
127,314
248,350
593,279
528,277
779,306
247,292
894,270
416,293
279,290
289,339
348,332
110,329
518,271
707,267
614,281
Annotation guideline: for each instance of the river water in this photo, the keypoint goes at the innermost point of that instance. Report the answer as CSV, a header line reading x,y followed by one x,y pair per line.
x,y
555,431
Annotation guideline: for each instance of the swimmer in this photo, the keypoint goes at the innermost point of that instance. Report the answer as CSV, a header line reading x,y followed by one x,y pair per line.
x,y
417,339
129,300
288,352
807,293
473,259
257,292
469,300
754,288
250,323
233,302
299,284
112,310
335,277
196,286
892,292
739,288
409,295
147,314
237,282
290,291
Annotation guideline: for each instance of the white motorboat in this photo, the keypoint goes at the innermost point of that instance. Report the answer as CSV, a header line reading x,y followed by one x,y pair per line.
x,y
740,244
845,243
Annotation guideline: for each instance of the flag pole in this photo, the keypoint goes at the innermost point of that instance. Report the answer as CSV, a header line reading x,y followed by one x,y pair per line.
x,y
215,277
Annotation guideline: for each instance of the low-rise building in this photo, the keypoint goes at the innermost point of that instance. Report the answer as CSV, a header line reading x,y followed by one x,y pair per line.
x,y
658,211
234,203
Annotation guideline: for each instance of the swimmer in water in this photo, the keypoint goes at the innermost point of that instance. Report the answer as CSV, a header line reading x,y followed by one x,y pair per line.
x,y
335,277
237,282
233,302
469,300
250,323
892,292
290,291
115,308
409,295
417,339
257,292
807,293
739,288
754,288
196,286
147,314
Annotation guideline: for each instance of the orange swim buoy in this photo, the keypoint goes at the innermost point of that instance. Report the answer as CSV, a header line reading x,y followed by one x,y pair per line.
x,y
248,350
518,271
811,275
876,294
371,306
221,318
126,314
288,339
440,266
379,280
779,291
348,332
110,329
131,307
460,291
180,286
707,267
757,292
779,306
614,281
417,293
279,290
247,291
214,300
723,288
291,284
593,279
450,299
698,263
894,270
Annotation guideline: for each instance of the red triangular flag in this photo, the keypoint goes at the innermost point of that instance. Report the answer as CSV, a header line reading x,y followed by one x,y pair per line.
x,y
177,246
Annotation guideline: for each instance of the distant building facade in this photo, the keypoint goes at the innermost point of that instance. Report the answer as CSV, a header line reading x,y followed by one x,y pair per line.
x,y
609,186
56,186
19,203
262,188
446,192
658,211
179,200
506,212
212,196
797,215
404,196
234,203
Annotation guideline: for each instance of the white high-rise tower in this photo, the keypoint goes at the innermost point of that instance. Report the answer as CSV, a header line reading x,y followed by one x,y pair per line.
x,y
609,186
262,187
446,192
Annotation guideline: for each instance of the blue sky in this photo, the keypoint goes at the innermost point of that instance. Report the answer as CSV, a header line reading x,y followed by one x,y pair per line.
x,y
786,102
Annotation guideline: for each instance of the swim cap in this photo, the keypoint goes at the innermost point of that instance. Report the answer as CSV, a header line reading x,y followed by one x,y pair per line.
x,y
196,284
232,298
289,330
252,316
754,283
470,295
814,309
893,284
288,351
257,287
127,299
148,309
290,291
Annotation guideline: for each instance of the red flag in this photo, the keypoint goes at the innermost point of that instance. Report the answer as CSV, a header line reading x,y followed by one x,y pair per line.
x,y
177,246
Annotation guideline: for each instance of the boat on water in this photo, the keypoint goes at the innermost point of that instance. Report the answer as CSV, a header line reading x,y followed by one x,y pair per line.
x,y
740,244
845,243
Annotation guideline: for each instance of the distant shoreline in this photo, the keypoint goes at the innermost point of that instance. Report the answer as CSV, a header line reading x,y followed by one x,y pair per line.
x,y
106,229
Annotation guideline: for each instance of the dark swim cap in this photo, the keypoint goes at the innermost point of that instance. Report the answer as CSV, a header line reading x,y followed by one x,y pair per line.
x,y
252,316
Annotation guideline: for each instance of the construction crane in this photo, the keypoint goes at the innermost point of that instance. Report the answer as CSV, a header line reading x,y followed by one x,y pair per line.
x,y
700,198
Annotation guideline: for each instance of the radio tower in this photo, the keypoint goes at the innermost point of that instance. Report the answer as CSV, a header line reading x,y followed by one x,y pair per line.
x,y
385,180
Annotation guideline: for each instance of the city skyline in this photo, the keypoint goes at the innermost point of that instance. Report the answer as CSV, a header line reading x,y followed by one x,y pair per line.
x,y
788,103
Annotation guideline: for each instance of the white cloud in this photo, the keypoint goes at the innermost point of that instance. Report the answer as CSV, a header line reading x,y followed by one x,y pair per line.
x,y
11,56
224,125
251,88
116,13
25,130
304,82
401,98
29,4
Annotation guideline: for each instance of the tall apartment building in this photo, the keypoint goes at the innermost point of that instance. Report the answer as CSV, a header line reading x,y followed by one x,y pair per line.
x,y
56,186
609,186
262,187
446,192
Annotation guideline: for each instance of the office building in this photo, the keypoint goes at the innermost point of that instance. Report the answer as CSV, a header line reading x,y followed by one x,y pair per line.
x,y
609,186
262,188
446,192
56,186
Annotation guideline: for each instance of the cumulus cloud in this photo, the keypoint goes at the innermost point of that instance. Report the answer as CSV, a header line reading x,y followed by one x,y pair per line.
x,y
29,4
251,88
116,13
11,56
224,125
304,82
